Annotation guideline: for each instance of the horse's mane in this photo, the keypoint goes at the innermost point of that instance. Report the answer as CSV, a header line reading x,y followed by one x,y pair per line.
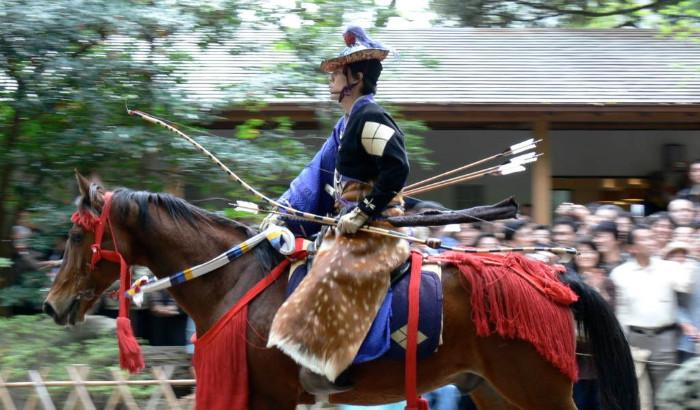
x,y
182,211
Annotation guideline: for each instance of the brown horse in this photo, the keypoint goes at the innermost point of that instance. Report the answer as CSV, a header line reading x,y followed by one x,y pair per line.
x,y
166,234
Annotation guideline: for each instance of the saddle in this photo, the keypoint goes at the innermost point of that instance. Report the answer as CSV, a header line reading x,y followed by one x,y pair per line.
x,y
387,334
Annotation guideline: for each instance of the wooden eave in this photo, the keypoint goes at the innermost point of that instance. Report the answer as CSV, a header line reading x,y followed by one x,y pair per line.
x,y
464,116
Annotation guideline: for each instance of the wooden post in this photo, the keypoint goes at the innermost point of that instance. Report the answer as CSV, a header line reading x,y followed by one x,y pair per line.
x,y
78,374
121,392
542,177
5,397
41,391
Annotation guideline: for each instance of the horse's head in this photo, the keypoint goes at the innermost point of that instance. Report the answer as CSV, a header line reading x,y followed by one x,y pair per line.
x,y
78,284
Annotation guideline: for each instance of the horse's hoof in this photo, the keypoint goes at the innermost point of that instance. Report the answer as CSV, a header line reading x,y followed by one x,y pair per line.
x,y
317,384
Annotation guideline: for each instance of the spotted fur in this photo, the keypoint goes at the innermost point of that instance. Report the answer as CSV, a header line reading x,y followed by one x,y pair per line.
x,y
323,323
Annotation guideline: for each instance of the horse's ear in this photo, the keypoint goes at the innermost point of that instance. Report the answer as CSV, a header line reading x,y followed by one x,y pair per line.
x,y
91,193
83,184
97,196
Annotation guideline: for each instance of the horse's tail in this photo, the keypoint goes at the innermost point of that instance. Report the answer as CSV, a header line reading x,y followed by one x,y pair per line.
x,y
608,345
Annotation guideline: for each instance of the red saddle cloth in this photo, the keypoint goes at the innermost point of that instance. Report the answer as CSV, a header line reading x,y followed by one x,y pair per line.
x,y
518,297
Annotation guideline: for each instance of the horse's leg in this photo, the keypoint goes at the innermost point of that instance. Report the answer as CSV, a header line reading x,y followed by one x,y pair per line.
x,y
518,373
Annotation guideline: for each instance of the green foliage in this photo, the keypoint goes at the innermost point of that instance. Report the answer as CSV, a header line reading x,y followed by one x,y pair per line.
x,y
5,263
35,342
415,144
30,291
680,17
66,70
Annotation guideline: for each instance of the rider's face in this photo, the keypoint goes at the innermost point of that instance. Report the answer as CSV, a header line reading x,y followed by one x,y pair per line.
x,y
336,81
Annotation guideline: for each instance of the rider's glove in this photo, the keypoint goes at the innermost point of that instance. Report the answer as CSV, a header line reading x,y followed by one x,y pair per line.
x,y
271,219
352,221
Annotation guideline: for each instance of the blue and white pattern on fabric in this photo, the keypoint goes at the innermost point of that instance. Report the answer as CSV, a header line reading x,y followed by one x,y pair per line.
x,y
307,192
387,335
280,238
429,320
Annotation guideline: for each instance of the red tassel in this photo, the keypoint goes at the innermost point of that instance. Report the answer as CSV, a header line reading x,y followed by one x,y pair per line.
x,y
130,357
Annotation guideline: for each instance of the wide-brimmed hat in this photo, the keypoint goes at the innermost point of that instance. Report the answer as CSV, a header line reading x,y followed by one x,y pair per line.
x,y
360,47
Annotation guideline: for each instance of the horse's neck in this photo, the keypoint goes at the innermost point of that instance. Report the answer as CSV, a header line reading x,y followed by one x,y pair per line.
x,y
210,296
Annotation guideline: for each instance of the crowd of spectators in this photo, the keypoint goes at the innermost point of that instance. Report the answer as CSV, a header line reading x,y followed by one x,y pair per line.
x,y
647,267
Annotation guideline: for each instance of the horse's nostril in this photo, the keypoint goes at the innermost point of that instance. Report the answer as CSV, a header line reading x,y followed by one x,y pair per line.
x,y
48,309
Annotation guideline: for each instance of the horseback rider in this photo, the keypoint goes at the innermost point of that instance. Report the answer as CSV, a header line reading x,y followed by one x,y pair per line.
x,y
359,173
365,148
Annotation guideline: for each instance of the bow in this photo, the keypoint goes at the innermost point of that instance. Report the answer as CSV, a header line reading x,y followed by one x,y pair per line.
x,y
291,212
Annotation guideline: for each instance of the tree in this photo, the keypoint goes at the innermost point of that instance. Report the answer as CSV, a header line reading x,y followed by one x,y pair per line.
x,y
317,37
676,15
68,67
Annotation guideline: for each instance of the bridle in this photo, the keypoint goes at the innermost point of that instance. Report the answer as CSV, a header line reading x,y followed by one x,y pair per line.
x,y
91,223
129,352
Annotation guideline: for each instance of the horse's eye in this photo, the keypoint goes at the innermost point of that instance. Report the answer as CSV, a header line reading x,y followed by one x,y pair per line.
x,y
76,237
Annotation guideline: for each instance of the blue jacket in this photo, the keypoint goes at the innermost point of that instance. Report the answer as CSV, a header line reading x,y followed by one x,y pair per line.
x,y
307,192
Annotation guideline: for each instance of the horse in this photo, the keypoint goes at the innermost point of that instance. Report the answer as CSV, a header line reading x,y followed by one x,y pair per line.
x,y
167,234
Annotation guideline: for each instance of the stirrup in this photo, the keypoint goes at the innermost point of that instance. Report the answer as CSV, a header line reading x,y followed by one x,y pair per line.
x,y
317,384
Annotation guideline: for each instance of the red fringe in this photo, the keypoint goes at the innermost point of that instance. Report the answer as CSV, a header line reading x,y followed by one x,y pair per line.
x,y
130,357
220,360
85,219
521,298
220,364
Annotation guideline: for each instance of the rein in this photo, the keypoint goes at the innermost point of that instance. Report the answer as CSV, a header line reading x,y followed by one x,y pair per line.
x,y
280,238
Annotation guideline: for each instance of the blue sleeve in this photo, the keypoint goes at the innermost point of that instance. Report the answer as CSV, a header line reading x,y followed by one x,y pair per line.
x,y
307,191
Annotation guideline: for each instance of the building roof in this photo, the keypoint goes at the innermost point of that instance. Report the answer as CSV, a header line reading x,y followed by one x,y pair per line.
x,y
475,66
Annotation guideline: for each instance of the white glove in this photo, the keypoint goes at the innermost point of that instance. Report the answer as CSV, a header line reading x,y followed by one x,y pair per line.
x,y
271,219
352,221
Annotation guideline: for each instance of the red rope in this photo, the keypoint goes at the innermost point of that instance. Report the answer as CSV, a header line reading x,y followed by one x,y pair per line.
x,y
413,400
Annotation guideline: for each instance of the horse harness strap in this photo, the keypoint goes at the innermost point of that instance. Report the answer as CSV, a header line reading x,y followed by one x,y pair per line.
x,y
130,356
413,400
280,238
110,255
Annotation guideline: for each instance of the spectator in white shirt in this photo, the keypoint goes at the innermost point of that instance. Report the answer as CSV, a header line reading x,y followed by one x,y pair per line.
x,y
646,303
684,233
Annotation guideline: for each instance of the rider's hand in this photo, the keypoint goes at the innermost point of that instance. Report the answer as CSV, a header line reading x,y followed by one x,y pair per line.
x,y
270,219
352,221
